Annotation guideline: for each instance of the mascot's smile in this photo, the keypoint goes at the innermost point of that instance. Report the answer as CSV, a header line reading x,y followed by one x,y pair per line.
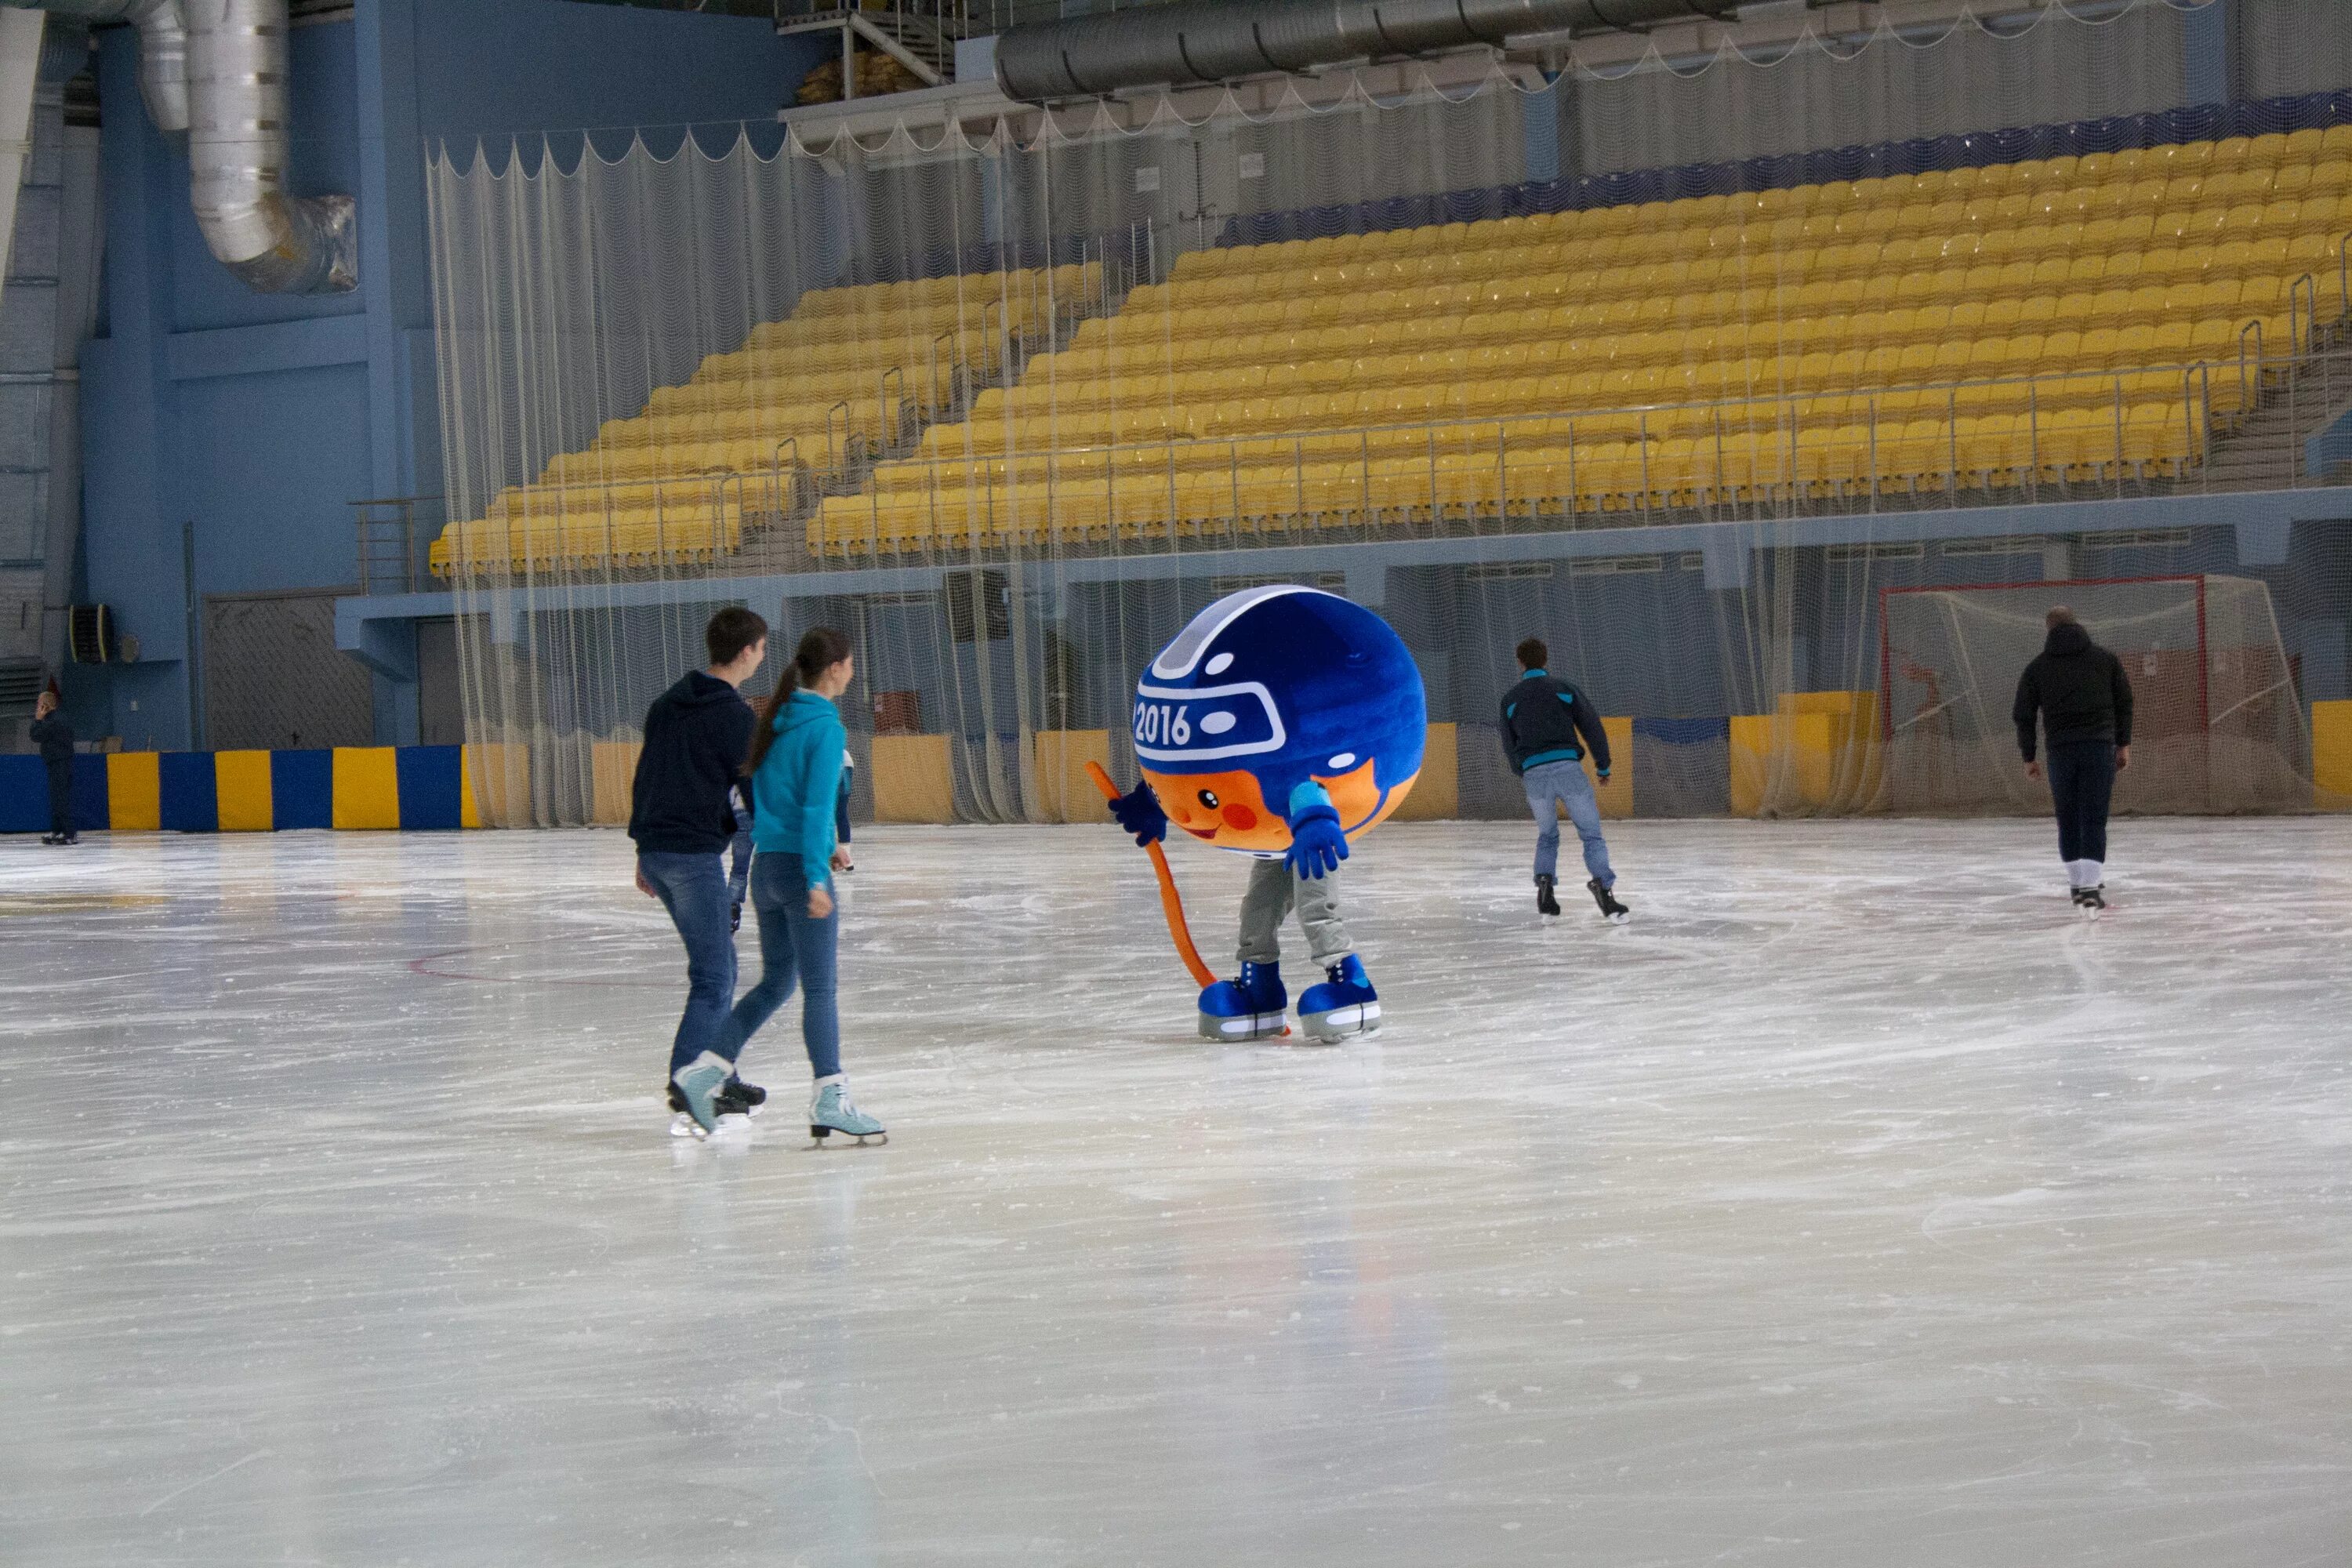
x,y
1229,810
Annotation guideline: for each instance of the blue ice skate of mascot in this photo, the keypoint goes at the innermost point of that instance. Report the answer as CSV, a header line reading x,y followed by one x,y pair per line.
x,y
1283,724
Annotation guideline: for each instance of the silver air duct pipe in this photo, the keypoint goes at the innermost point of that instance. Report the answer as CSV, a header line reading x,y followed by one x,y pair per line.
x,y
1209,41
237,157
216,69
162,48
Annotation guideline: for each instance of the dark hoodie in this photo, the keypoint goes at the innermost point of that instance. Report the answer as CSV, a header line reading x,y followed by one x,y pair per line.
x,y
697,734
55,737
2078,689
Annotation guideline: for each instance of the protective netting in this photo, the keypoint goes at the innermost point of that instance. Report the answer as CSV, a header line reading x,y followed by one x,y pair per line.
x,y
1008,412
2219,724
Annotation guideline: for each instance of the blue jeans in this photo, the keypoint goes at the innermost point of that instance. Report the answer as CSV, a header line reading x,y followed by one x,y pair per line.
x,y
1554,784
794,946
693,888
2081,787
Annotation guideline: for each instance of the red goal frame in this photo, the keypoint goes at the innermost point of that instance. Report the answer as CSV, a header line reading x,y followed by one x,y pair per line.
x,y
1886,643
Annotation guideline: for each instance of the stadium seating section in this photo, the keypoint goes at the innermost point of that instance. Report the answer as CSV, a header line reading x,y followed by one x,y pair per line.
x,y
2051,322
2060,322
670,486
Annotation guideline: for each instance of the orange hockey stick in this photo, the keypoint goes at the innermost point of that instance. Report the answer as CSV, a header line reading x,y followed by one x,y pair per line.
x,y
1170,901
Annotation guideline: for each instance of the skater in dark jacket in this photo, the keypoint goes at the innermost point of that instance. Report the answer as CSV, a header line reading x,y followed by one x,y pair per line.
x,y
682,816
2079,692
56,739
1548,726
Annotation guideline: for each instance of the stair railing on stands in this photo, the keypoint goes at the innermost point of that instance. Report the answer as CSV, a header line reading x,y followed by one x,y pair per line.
x,y
993,345
941,401
2248,394
2303,330
786,476
891,416
836,457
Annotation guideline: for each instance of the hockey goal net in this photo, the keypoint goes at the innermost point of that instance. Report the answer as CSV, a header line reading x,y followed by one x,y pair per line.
x,y
2218,725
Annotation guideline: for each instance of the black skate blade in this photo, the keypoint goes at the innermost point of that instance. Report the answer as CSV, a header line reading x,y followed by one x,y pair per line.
x,y
817,1136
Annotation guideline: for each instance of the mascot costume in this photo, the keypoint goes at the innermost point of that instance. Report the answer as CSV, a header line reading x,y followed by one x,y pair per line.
x,y
1283,724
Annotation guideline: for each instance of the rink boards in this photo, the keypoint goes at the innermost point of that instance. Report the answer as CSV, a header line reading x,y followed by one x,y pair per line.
x,y
1824,742
351,787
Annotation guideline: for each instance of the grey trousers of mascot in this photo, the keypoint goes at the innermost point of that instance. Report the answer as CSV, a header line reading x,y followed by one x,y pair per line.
x,y
1272,893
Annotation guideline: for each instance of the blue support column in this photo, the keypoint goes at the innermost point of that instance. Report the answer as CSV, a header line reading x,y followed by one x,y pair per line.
x,y
2209,68
132,535
395,280
1540,125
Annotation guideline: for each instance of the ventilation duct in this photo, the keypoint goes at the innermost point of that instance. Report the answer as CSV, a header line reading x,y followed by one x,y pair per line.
x,y
1209,41
218,69
237,157
162,48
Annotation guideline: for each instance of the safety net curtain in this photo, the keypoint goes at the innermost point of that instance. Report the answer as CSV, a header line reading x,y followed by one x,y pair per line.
x,y
1008,412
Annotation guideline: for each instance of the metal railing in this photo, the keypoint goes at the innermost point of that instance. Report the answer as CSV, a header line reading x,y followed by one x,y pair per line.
x,y
2071,437
955,18
391,542
2081,435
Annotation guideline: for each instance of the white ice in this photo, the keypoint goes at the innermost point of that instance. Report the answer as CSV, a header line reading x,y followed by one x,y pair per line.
x,y
1854,1206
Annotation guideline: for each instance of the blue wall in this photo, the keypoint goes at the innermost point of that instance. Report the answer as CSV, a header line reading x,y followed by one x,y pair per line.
x,y
260,418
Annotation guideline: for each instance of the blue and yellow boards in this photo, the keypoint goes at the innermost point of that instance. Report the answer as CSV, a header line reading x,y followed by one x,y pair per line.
x,y
404,788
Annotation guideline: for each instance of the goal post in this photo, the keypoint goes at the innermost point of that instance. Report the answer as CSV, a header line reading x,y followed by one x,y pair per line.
x,y
2219,726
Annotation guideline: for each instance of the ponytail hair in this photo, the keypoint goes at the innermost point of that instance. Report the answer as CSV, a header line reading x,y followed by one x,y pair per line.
x,y
821,648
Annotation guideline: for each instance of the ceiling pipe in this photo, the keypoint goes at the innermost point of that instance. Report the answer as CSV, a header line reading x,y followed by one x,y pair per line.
x,y
236,158
1208,41
162,48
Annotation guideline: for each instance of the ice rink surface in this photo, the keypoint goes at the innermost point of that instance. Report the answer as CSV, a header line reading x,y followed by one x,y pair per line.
x,y
1854,1206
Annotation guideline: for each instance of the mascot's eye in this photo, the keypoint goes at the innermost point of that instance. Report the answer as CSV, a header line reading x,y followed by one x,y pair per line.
x,y
1209,798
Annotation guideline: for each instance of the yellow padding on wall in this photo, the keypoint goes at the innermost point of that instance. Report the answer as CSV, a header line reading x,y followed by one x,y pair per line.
x,y
497,785
1065,793
1823,746
2331,756
367,788
1616,794
135,792
614,763
911,779
1437,795
1796,748
241,780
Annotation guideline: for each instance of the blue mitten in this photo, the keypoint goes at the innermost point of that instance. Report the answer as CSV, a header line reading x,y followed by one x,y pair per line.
x,y
1316,844
1139,812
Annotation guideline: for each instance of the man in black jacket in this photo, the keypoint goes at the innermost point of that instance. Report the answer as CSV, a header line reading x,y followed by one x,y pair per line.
x,y
1544,720
2079,691
696,735
56,739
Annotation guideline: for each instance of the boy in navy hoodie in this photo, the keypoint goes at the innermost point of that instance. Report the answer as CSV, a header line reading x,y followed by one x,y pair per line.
x,y
683,819
1544,720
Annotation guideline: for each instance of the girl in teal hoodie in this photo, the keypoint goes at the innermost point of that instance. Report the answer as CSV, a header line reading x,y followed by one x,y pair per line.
x,y
794,767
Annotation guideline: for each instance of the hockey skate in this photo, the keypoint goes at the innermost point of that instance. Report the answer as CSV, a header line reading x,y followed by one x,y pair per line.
x,y
830,1111
1611,910
1547,898
735,1097
1249,1008
2091,902
1343,1006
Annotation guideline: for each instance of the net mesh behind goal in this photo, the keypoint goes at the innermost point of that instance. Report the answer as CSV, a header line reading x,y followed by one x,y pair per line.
x,y
2219,724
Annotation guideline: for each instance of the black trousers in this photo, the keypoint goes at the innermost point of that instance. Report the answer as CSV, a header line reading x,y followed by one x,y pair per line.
x,y
2082,786
61,813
